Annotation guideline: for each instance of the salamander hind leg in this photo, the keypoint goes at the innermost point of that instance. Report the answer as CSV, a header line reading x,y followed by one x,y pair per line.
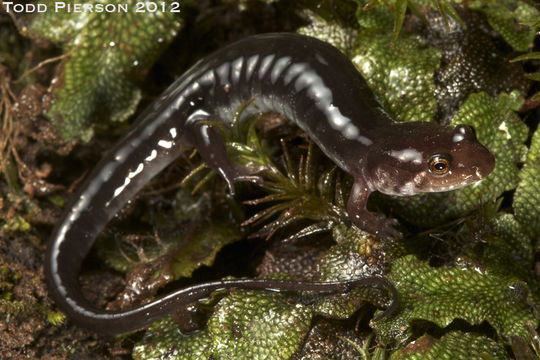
x,y
210,144
373,223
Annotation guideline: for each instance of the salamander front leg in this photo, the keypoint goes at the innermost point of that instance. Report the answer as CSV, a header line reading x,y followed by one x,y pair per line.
x,y
210,144
376,224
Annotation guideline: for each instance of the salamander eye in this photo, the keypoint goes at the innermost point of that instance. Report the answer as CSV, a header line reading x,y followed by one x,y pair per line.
x,y
439,164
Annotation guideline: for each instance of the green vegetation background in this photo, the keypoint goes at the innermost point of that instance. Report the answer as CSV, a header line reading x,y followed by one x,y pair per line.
x,y
467,271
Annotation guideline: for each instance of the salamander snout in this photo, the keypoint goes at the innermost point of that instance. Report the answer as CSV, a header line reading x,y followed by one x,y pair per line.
x,y
470,153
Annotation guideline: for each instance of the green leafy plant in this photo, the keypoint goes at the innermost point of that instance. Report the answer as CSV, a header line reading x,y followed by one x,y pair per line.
x,y
105,54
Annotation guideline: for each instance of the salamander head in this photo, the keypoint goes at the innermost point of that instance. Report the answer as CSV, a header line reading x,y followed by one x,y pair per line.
x,y
424,157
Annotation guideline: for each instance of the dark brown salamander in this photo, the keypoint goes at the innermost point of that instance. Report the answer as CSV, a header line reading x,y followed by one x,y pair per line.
x,y
311,83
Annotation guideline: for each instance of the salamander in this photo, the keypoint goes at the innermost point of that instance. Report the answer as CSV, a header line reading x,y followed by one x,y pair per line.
x,y
315,86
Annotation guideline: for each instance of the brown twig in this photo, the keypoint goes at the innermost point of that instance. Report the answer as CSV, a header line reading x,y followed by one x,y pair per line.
x,y
41,64
9,128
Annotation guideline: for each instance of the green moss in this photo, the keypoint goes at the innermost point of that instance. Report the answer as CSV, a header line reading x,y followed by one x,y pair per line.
x,y
255,325
341,37
508,249
246,325
442,295
527,196
507,17
164,341
403,84
104,54
16,303
185,235
356,255
375,16
452,346
16,223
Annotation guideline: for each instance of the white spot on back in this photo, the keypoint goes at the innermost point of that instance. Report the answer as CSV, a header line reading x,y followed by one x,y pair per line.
x,y
364,140
265,65
152,156
337,121
250,65
223,73
278,68
137,171
237,69
302,81
196,114
165,144
207,78
179,101
407,155
121,188
321,59
350,131
458,137
293,71
204,134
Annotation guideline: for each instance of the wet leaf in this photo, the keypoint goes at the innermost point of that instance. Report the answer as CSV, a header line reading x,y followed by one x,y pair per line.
x,y
528,56
534,77
202,247
400,10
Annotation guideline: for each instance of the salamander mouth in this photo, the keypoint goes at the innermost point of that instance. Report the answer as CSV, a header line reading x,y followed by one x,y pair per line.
x,y
481,173
478,173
